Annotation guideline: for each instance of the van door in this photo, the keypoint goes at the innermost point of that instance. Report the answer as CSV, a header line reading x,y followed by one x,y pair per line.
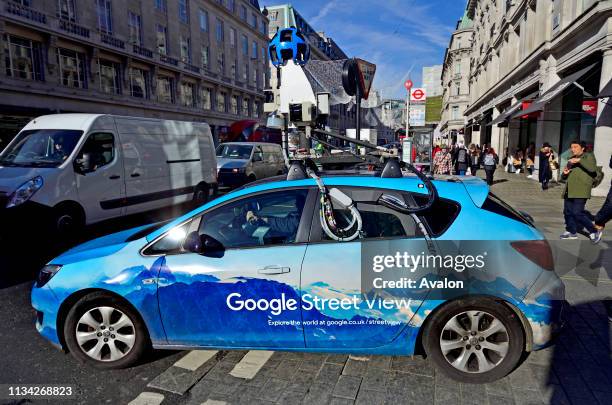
x,y
259,163
99,177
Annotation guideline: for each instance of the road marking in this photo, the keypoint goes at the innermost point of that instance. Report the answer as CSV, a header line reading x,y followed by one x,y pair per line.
x,y
195,358
148,398
251,363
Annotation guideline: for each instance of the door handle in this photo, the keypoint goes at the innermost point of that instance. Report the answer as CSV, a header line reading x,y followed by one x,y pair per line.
x,y
135,175
114,177
274,270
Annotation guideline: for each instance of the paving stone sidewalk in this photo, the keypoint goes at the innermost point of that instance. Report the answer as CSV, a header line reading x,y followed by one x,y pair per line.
x,y
577,370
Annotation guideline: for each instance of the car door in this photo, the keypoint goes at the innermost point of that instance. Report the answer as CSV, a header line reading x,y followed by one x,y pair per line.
x,y
259,165
241,298
344,271
99,177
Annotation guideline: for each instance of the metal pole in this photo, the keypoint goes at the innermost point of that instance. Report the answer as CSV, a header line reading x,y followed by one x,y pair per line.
x,y
358,119
408,114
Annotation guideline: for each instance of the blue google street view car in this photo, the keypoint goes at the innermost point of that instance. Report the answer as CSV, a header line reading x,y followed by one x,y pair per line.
x,y
268,267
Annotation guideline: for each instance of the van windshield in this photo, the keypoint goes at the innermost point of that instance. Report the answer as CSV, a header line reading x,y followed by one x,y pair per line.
x,y
40,148
234,151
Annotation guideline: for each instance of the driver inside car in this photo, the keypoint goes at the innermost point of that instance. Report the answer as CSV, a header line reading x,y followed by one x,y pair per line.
x,y
285,226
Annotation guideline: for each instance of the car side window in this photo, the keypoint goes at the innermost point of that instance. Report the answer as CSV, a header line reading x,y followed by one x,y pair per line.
x,y
378,222
440,216
171,242
258,155
262,220
98,151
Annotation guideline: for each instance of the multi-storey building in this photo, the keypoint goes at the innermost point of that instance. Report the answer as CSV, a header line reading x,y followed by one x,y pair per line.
x,y
537,68
455,81
432,80
322,47
200,60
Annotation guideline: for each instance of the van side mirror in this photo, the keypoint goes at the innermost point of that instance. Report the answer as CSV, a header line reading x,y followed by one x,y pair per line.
x,y
204,245
257,157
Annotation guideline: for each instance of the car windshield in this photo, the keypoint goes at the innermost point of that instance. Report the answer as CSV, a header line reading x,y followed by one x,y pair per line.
x,y
42,147
234,151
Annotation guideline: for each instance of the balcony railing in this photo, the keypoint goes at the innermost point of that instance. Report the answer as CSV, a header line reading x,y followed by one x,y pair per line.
x,y
191,68
73,28
169,60
143,51
111,40
25,12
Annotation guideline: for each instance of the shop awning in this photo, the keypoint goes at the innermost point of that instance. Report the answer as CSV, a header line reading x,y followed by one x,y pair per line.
x,y
539,104
606,91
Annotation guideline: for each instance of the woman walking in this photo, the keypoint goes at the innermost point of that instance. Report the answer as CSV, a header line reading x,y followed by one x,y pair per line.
x,y
490,160
443,162
474,159
530,160
545,171
517,161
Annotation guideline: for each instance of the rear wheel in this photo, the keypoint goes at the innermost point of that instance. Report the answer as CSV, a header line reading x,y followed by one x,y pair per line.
x,y
475,340
200,194
105,332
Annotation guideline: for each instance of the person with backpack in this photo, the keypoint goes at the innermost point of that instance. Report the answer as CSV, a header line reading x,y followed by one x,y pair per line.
x,y
474,159
545,169
461,159
579,173
489,161
605,213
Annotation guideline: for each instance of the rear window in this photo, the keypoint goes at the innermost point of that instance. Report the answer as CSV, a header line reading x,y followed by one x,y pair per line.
x,y
440,216
498,206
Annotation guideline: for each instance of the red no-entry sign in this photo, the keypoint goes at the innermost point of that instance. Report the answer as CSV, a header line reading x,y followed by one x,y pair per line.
x,y
408,84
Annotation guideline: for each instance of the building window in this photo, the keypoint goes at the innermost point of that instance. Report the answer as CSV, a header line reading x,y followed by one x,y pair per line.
x,y
234,105
233,37
233,69
183,11
105,16
161,5
185,49
162,39
205,57
245,107
187,94
27,3
245,76
203,20
221,62
255,77
254,50
231,5
138,82
71,68
65,10
263,53
219,31
23,58
455,113
135,25
221,101
206,97
457,88
457,67
243,12
245,45
263,28
109,77
165,89
254,20
256,109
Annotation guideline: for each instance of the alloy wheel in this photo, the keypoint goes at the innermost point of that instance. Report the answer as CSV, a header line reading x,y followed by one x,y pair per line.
x,y
105,334
474,341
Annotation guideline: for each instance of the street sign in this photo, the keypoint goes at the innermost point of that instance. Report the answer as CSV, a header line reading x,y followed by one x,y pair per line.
x,y
417,115
418,96
408,84
366,71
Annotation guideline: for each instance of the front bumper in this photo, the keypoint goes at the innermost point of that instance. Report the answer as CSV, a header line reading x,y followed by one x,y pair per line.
x,y
13,218
46,305
230,179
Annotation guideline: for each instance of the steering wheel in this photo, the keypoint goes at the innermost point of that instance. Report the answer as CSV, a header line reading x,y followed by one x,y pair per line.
x,y
30,154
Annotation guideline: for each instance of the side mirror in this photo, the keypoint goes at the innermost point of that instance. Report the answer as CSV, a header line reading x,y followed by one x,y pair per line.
x,y
204,245
257,157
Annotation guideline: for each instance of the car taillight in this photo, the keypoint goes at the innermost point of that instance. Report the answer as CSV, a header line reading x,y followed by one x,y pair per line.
x,y
538,251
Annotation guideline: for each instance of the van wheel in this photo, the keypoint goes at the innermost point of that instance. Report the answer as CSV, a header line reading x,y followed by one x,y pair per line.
x,y
474,340
105,332
200,195
67,221
251,178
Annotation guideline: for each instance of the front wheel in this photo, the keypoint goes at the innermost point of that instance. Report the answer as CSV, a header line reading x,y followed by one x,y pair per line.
x,y
105,332
475,340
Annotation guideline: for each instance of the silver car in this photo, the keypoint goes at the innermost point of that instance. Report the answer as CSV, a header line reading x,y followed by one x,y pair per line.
x,y
239,163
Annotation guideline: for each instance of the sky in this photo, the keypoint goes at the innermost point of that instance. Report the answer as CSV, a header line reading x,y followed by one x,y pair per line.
x,y
399,36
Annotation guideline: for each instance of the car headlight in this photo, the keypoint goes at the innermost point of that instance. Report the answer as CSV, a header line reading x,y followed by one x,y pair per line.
x,y
46,273
238,170
25,192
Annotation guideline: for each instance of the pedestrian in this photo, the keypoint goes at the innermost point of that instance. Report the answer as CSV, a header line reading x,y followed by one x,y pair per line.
x,y
530,160
579,173
517,161
474,159
443,163
490,161
605,213
545,169
436,150
461,159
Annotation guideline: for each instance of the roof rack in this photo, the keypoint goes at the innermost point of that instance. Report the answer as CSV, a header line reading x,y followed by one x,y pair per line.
x,y
298,169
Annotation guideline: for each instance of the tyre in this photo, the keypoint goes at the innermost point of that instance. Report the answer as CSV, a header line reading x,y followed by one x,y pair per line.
x,y
200,195
474,340
105,332
67,221
251,178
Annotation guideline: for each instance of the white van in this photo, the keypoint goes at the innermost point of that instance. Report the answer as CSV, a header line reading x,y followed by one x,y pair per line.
x,y
78,169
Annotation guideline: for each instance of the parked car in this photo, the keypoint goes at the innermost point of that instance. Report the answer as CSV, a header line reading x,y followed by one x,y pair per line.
x,y
69,170
239,163
223,276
